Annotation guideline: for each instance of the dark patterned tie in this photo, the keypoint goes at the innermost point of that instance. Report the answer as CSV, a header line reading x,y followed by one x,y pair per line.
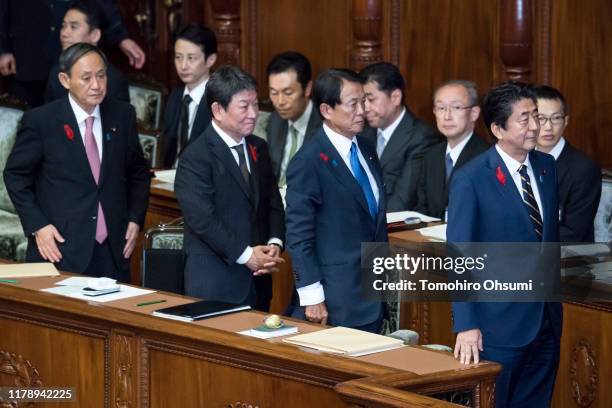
x,y
184,123
242,163
448,162
530,202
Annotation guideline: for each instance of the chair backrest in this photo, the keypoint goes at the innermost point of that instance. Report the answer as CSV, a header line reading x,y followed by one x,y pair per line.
x,y
162,257
147,97
11,111
603,217
150,143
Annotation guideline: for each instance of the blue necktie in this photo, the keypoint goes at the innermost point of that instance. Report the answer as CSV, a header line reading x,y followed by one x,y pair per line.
x,y
362,179
449,166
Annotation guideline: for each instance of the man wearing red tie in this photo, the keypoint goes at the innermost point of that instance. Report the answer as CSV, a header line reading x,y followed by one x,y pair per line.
x,y
77,175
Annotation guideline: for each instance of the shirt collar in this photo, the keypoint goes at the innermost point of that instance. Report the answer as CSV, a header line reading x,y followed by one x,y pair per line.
x,y
301,124
79,113
388,131
229,141
512,164
455,152
196,93
341,143
556,151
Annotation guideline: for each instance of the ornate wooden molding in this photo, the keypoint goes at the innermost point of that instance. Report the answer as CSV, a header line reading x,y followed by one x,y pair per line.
x,y
367,32
583,374
543,27
226,18
124,370
394,23
26,375
239,404
516,39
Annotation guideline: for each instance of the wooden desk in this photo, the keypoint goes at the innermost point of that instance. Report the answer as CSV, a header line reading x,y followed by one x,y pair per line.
x,y
163,208
586,356
118,354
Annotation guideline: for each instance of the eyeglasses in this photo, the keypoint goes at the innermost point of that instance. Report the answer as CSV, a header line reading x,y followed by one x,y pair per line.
x,y
555,120
440,110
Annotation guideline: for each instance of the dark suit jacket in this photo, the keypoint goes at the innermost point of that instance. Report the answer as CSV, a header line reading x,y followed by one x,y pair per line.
x,y
483,209
49,180
433,188
327,220
117,85
579,192
223,217
171,121
25,30
401,160
277,129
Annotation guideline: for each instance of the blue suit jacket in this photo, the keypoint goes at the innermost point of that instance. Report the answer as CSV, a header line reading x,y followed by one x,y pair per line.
x,y
483,209
327,219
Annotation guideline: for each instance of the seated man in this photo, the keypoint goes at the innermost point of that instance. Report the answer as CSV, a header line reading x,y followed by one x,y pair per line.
x,y
578,176
456,110
187,114
82,23
293,121
234,218
400,138
77,175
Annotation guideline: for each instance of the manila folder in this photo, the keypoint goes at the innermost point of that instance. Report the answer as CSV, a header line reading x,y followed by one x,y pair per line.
x,y
28,270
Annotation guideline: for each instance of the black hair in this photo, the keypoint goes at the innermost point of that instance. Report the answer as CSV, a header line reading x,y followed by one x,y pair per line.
x,y
74,53
291,60
498,102
328,85
548,92
386,75
93,14
200,35
226,82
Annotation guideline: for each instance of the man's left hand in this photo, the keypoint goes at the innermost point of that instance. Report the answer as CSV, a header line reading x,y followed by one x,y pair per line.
x,y
134,53
130,239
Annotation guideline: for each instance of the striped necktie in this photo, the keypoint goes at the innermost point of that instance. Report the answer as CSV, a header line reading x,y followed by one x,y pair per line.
x,y
530,202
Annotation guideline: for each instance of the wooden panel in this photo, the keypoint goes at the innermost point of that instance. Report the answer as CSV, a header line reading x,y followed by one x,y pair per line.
x,y
45,355
317,28
581,66
222,385
584,370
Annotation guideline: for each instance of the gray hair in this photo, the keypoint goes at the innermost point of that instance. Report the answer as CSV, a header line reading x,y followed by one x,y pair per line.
x,y
75,52
470,87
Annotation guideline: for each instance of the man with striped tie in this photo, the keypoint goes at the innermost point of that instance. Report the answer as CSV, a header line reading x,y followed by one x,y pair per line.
x,y
509,194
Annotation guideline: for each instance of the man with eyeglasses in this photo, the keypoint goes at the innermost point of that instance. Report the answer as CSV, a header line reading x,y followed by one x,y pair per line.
x,y
578,176
400,138
456,110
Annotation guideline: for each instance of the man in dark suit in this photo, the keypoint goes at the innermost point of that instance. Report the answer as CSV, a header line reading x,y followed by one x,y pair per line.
x,y
29,42
578,176
456,110
234,218
82,23
187,114
77,175
509,194
294,121
335,201
400,138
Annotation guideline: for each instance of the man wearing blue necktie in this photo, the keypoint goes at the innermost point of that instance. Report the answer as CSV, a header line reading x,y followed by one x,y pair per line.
x,y
335,201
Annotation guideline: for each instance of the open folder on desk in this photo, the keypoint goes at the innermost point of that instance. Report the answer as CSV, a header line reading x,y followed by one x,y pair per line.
x,y
28,270
342,340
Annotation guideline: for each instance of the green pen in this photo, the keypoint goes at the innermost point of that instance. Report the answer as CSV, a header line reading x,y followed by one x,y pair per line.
x,y
153,302
9,281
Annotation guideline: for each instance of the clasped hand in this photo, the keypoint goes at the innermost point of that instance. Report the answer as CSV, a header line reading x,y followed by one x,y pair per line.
x,y
264,259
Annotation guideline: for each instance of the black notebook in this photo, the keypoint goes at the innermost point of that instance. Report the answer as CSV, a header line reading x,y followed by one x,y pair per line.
x,y
199,310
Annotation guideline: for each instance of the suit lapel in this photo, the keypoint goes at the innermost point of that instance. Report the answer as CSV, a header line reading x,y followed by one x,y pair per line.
x,y
76,145
223,153
336,166
545,190
202,118
369,157
399,137
255,176
109,132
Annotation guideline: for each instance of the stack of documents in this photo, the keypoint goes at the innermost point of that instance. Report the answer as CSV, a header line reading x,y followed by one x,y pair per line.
x,y
436,232
28,270
263,332
199,310
409,217
73,287
166,176
345,341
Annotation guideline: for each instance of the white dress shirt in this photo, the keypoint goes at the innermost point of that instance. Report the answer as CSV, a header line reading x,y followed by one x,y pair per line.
x,y
81,115
300,125
556,151
314,294
513,167
455,152
387,132
196,98
230,142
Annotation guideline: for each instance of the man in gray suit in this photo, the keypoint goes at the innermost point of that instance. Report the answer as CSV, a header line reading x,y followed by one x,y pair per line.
x,y
400,138
293,121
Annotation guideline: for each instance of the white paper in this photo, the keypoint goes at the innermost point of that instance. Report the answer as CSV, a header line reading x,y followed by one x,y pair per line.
x,y
402,215
436,232
165,186
584,250
166,175
75,292
74,281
